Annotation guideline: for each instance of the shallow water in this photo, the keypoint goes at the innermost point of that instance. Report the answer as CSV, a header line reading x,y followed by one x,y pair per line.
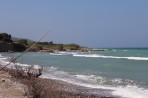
x,y
123,71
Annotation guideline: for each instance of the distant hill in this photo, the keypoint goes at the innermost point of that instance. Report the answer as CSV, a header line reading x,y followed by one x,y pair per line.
x,y
17,39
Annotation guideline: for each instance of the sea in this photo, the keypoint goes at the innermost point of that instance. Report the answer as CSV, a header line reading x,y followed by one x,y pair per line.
x,y
123,71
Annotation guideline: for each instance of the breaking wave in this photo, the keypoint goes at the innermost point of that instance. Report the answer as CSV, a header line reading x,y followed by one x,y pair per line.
x,y
118,87
112,57
64,53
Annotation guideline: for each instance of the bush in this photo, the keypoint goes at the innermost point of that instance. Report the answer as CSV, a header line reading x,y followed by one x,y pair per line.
x,y
71,46
18,47
23,42
5,37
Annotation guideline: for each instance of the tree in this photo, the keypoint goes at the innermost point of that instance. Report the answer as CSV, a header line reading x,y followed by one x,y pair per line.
x,y
5,37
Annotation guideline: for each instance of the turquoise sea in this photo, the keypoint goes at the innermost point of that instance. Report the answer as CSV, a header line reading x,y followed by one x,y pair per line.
x,y
123,71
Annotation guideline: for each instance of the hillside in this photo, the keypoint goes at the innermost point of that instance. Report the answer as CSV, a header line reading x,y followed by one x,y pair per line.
x,y
20,44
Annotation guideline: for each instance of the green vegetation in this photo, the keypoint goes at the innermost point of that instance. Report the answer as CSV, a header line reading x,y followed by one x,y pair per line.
x,y
22,41
8,45
5,37
18,47
71,47
22,44
59,47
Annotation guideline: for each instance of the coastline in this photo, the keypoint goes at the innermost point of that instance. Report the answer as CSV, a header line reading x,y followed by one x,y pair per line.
x,y
60,89
44,88
80,84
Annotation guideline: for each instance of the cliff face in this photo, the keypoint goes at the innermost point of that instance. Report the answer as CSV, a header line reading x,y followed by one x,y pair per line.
x,y
5,47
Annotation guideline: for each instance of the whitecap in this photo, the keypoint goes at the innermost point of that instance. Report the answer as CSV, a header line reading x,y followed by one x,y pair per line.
x,y
113,57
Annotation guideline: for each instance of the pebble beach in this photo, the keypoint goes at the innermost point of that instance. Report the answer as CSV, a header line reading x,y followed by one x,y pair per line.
x,y
11,87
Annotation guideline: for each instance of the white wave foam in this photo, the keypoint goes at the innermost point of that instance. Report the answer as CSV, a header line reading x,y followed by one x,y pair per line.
x,y
122,91
137,58
105,81
113,57
5,60
91,81
130,92
114,50
64,53
57,54
125,50
89,77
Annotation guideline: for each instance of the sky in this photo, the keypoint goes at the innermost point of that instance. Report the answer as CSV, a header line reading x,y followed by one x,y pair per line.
x,y
91,23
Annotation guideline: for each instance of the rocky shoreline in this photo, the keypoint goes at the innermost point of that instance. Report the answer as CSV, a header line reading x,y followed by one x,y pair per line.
x,y
60,89
12,87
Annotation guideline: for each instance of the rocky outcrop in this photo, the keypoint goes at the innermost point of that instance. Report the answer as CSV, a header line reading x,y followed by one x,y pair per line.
x,y
35,49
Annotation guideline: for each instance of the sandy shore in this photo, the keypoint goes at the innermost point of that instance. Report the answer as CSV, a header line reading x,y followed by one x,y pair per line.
x,y
11,87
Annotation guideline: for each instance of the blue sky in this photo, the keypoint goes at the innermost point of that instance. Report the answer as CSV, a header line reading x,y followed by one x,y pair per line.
x,y
92,23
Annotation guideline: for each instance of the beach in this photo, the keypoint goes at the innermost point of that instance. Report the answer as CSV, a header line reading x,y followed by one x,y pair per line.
x,y
60,89
12,87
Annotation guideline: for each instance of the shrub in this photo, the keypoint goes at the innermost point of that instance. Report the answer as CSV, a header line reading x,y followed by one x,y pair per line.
x,y
18,47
